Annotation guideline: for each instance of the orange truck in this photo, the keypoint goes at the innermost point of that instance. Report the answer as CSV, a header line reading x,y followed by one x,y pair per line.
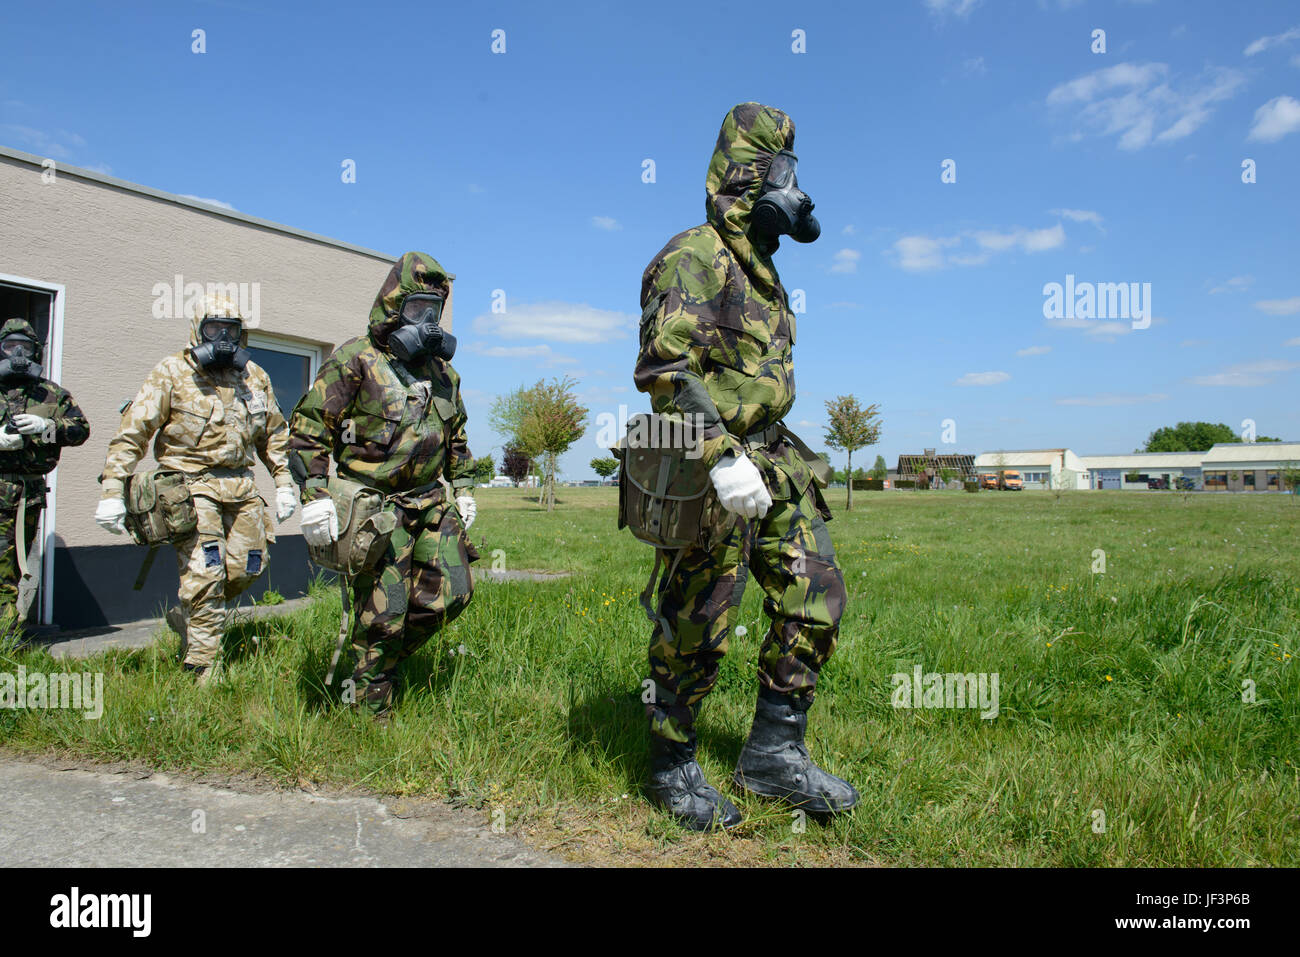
x,y
1006,480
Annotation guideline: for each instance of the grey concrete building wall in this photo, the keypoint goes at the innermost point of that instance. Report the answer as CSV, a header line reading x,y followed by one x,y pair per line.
x,y
113,246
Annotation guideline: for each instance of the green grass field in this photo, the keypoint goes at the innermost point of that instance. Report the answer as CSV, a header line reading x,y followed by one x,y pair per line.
x,y
1120,693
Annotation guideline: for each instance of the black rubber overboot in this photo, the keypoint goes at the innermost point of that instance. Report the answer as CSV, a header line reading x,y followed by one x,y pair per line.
x,y
678,785
775,762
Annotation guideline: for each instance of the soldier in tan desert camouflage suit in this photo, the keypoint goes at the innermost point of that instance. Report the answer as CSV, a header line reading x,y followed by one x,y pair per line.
x,y
212,410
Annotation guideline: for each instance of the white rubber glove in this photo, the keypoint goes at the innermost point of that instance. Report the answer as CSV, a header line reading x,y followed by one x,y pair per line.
x,y
109,514
29,424
320,523
286,502
468,509
740,487
10,441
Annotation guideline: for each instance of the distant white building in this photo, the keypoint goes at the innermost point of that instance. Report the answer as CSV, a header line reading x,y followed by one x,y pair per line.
x,y
1248,466
505,481
1038,468
1143,470
1228,466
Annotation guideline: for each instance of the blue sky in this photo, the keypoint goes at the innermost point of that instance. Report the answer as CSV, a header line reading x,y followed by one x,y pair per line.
x,y
522,171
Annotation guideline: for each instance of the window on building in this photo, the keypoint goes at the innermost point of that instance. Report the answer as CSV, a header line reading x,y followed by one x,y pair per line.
x,y
1216,480
1248,478
34,305
1273,479
291,365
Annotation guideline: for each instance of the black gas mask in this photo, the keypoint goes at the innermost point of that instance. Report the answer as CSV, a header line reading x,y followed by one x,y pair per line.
x,y
220,347
419,333
18,358
783,209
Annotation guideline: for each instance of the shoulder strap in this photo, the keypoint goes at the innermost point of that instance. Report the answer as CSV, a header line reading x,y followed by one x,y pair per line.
x,y
651,612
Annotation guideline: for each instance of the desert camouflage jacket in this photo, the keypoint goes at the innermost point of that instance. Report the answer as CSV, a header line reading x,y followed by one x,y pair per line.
x,y
40,452
209,424
389,425
717,331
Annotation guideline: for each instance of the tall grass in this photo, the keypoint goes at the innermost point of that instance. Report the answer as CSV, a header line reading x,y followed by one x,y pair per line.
x,y
1120,693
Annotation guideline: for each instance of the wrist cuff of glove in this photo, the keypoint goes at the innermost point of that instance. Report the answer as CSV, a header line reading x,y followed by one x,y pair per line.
x,y
112,488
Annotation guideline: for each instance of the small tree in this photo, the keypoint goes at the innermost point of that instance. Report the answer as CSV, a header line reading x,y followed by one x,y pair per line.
x,y
484,469
851,427
946,475
880,469
515,464
1290,476
554,421
604,467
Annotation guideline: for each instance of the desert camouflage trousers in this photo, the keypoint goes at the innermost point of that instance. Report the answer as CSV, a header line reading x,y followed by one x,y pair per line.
x,y
421,583
789,552
10,494
226,554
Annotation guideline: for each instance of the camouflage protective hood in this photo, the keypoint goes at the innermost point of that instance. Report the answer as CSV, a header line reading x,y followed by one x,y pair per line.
x,y
750,136
23,328
414,272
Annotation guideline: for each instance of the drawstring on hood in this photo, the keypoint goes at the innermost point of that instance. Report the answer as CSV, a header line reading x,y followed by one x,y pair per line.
x,y
415,272
750,136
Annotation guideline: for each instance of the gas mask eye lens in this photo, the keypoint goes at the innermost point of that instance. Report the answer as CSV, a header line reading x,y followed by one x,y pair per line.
x,y
781,171
17,347
214,329
420,307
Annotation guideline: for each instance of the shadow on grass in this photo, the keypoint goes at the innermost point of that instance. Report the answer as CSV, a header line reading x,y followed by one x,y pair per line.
x,y
609,723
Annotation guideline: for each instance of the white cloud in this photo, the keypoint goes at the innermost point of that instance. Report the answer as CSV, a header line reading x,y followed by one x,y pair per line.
x,y
1279,307
1029,240
1034,351
1292,342
1235,284
1104,330
1247,373
974,66
1275,119
557,322
919,253
849,230
1079,216
542,352
59,144
220,204
1263,43
956,8
846,261
1113,398
608,223
983,378
1136,102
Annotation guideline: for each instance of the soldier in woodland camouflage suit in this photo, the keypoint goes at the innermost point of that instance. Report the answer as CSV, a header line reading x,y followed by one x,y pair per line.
x,y
717,334
37,419
212,409
387,405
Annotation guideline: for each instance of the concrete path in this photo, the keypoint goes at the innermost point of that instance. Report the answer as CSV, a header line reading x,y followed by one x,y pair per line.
x,y
140,634
95,818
